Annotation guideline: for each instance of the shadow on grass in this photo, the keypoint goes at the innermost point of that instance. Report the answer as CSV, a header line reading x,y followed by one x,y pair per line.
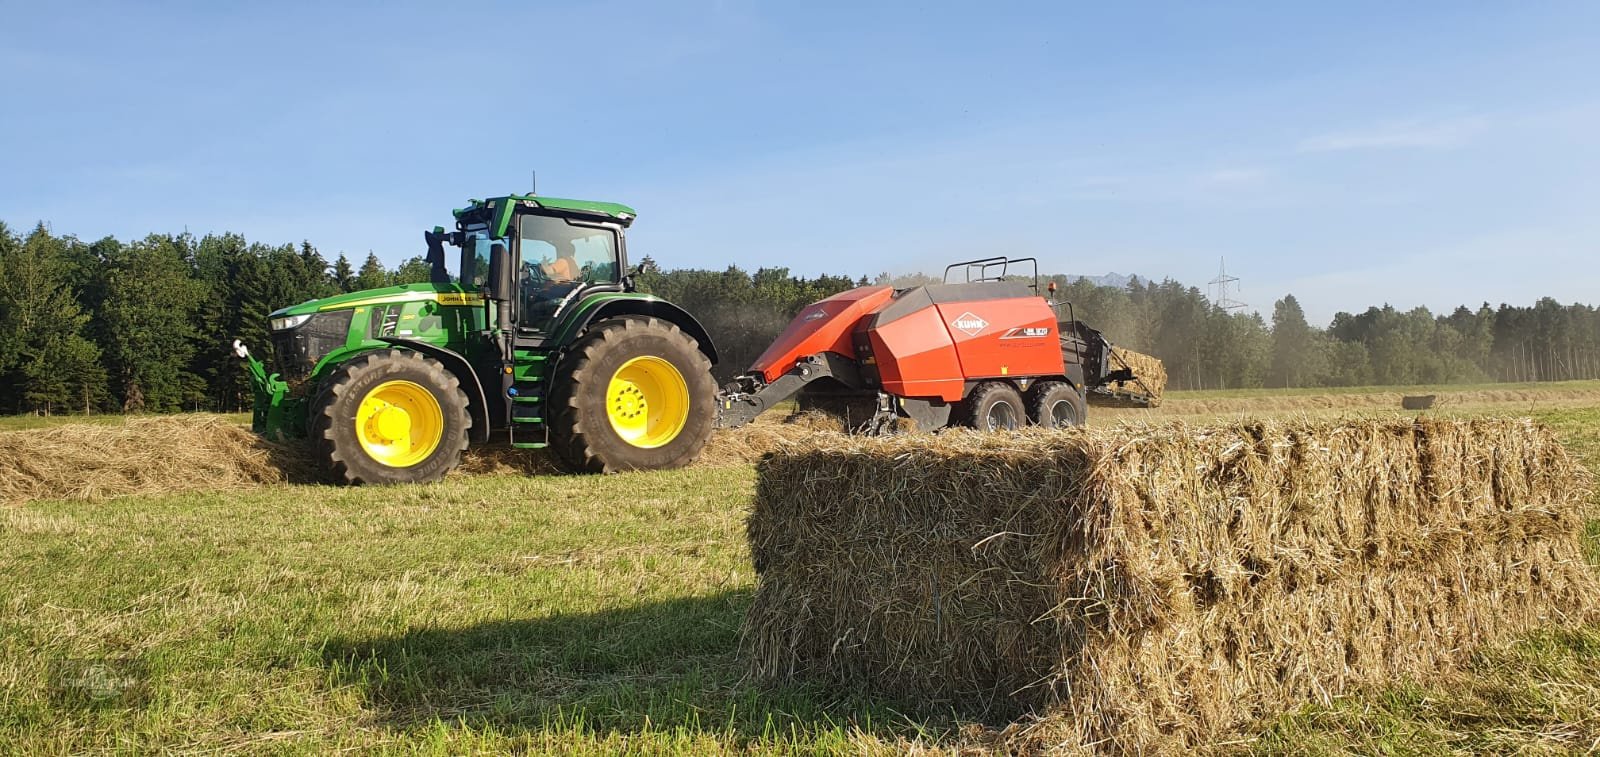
x,y
653,667
298,462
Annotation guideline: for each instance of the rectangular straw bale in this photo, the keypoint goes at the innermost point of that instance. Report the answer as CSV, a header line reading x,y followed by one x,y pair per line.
x,y
1150,373
1157,587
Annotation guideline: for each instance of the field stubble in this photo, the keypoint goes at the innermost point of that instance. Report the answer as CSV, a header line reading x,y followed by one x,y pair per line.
x,y
498,610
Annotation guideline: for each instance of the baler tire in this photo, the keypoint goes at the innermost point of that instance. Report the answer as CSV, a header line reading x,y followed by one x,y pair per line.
x,y
1056,404
983,403
618,370
335,416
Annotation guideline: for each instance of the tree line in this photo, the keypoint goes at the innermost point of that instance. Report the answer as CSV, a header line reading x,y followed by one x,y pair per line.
x,y
1207,347
144,325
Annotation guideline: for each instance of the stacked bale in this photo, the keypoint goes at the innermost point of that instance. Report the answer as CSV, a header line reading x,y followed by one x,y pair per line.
x,y
1155,588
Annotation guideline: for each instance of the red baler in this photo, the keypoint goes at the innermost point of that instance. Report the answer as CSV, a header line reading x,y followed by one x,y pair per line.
x,y
986,353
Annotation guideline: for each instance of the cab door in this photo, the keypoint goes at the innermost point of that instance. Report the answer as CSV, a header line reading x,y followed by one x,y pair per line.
x,y
561,259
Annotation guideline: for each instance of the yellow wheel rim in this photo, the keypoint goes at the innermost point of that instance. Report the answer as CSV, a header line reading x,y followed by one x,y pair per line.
x,y
647,402
399,423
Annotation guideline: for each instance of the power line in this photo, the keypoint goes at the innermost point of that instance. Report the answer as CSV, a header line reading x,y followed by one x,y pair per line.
x,y
1222,283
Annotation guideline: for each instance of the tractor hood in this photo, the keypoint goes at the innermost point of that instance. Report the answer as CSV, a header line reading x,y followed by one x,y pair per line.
x,y
444,294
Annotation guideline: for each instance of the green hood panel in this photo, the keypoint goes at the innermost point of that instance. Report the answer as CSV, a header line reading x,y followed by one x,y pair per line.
x,y
445,294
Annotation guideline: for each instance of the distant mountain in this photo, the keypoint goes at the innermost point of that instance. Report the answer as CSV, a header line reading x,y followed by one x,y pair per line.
x,y
1112,279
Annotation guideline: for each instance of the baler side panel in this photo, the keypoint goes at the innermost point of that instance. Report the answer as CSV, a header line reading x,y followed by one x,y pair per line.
x,y
917,358
1014,337
824,326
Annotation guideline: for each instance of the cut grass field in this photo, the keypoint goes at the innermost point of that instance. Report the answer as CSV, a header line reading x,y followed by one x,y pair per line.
x,y
1259,394
29,422
573,614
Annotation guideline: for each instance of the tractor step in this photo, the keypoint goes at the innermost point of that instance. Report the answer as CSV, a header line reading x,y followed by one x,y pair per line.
x,y
529,445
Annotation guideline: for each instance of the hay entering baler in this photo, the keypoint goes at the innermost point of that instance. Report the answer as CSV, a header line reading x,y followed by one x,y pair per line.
x,y
987,352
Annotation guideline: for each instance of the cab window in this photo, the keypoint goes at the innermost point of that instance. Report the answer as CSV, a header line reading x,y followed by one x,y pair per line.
x,y
558,250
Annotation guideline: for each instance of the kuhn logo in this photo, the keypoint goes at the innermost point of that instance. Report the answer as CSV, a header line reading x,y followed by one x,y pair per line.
x,y
969,324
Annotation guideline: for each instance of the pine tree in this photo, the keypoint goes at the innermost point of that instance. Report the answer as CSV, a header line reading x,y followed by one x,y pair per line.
x,y
8,336
49,363
413,271
316,282
148,321
344,277
1296,356
373,275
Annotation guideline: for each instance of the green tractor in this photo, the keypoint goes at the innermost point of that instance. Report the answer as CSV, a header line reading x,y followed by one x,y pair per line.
x,y
539,331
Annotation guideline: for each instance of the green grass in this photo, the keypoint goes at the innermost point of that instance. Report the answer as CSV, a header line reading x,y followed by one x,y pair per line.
x,y
28,422
579,613
572,614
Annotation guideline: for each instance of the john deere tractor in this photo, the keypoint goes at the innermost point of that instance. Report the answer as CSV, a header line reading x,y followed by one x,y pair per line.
x,y
537,334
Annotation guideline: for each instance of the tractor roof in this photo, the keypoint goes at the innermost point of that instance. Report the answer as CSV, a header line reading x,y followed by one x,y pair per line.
x,y
501,208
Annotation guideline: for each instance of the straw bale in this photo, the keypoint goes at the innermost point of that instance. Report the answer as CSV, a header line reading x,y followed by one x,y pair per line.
x,y
1151,588
1150,374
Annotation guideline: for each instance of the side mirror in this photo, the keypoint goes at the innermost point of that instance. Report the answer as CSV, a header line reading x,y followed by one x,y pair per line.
x,y
437,273
502,280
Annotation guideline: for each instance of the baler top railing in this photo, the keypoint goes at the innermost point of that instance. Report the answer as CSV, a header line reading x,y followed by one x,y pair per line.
x,y
984,269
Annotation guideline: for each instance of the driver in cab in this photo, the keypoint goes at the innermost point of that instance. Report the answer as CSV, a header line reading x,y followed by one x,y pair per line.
x,y
565,266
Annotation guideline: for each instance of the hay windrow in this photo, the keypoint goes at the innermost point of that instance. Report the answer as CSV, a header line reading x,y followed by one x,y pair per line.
x,y
153,455
1157,587
160,455
1180,405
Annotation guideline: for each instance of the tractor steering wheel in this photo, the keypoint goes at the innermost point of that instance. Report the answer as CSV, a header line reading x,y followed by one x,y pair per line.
x,y
534,272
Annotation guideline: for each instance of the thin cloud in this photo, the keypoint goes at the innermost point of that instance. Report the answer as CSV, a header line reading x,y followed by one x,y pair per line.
x,y
1415,135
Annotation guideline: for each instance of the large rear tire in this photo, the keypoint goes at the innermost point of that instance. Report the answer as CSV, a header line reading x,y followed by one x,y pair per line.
x,y
635,393
994,406
390,417
1055,404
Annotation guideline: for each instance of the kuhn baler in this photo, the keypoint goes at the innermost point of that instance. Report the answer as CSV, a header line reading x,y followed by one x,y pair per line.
x,y
988,353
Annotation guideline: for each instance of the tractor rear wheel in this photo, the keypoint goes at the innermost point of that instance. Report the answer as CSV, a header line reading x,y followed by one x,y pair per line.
x,y
1055,404
635,393
390,417
994,406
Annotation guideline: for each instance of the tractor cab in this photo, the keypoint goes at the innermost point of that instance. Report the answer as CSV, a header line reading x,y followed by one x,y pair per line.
x,y
556,252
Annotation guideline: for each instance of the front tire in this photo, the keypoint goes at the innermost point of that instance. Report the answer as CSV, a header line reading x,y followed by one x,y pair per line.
x,y
633,394
390,417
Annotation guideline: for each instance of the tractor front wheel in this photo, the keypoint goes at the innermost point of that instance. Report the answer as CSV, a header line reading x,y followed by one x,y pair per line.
x,y
635,393
390,417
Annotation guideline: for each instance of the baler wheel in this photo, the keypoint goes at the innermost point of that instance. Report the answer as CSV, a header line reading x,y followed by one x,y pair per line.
x,y
994,406
1055,404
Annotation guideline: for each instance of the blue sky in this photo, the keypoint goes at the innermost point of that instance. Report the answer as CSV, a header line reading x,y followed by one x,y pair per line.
x,y
1350,153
